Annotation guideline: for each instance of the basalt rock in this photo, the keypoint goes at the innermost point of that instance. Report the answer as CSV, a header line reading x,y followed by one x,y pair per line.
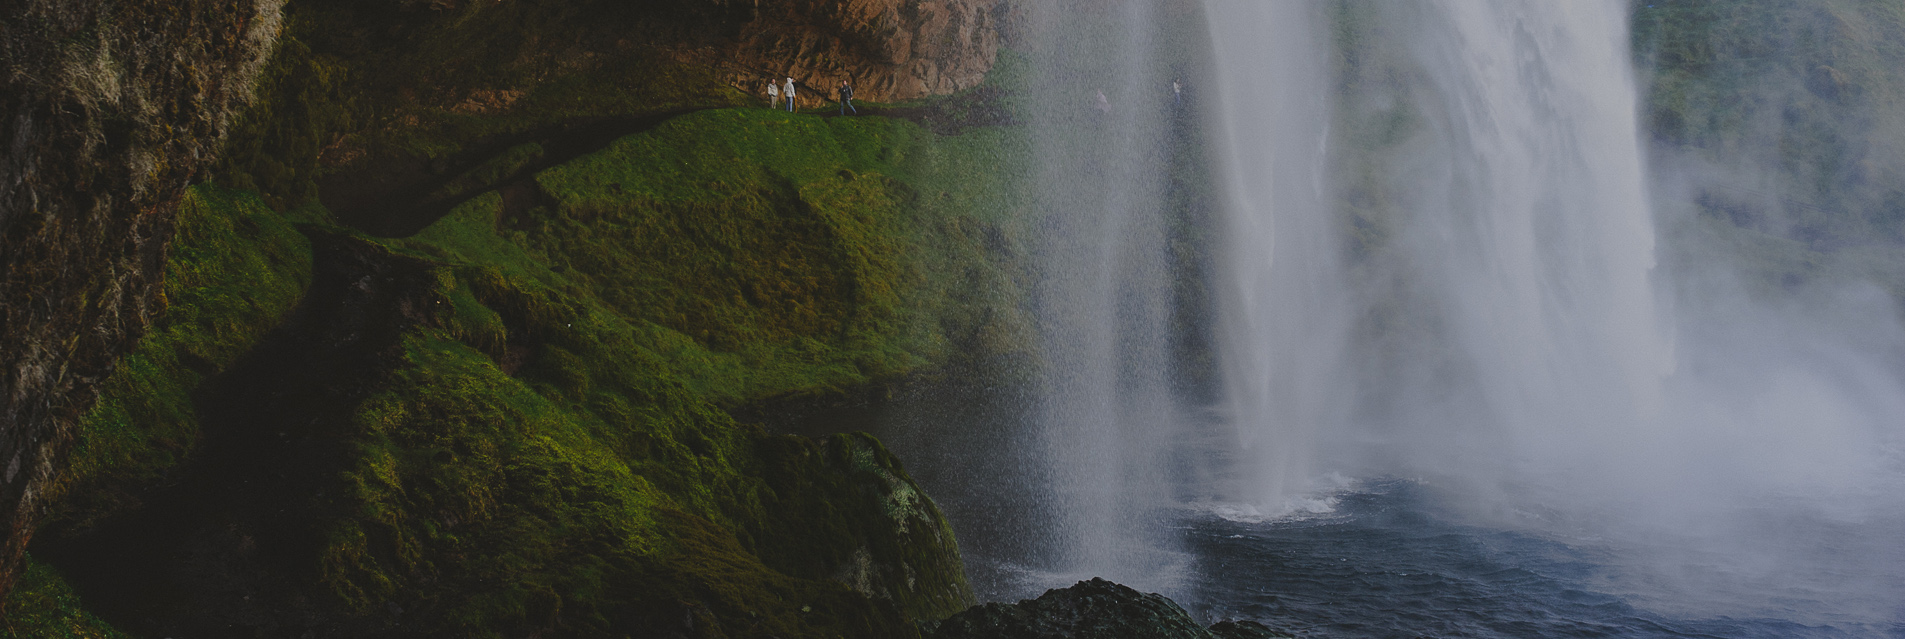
x,y
107,111
1095,609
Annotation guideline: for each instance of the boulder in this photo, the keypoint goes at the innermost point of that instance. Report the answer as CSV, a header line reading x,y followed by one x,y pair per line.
x,y
1095,609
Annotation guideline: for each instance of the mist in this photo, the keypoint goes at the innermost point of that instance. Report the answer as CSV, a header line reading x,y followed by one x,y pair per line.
x,y
1476,268
1626,278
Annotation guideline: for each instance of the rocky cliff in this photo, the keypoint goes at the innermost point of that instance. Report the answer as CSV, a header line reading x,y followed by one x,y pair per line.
x,y
890,50
108,110
453,344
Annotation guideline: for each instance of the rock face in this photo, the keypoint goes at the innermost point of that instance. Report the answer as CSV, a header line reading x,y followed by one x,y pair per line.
x,y
890,50
107,111
429,424
1095,609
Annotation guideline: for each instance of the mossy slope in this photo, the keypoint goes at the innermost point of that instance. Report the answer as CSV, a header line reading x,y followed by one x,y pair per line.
x,y
806,268
510,423
513,421
236,269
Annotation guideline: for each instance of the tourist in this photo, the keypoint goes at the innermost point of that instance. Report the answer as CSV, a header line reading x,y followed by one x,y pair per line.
x,y
789,90
1177,93
846,98
773,94
1104,105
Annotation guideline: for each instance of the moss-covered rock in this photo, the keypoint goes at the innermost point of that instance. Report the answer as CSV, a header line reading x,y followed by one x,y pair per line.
x,y
764,253
43,606
1094,609
485,391
504,424
236,270
111,108
365,472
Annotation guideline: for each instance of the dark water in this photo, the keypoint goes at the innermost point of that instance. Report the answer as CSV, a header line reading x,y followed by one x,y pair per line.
x,y
1384,564
1389,560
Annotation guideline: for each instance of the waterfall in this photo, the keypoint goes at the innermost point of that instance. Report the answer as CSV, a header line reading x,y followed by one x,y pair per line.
x,y
1435,257
1506,317
1284,311
1104,302
1439,264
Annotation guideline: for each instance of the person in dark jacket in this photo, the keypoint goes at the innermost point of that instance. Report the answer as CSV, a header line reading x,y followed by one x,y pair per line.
x,y
846,98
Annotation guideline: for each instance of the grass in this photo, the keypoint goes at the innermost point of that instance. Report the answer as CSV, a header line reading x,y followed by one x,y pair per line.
x,y
547,500
43,606
234,272
546,449
724,257
764,253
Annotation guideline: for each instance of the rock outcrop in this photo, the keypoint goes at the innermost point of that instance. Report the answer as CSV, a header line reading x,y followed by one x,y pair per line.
x,y
424,432
1095,609
890,50
107,111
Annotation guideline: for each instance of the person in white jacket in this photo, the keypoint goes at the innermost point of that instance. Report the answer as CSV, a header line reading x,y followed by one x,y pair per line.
x,y
789,90
773,94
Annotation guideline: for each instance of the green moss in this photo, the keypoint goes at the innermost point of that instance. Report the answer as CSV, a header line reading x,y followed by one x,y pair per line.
x,y
302,105
545,450
42,606
763,253
491,173
235,270
1802,94
430,83
620,307
507,506
497,495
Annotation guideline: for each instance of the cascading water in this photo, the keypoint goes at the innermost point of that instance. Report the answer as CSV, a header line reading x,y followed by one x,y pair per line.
x,y
1455,374
1285,316
1441,266
1105,300
1501,313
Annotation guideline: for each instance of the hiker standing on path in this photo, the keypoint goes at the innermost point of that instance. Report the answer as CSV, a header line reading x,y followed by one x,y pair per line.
x,y
789,90
773,94
846,98
1104,106
1177,93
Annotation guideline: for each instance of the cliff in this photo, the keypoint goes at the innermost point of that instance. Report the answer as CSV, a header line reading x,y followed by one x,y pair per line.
x,y
453,344
110,110
889,50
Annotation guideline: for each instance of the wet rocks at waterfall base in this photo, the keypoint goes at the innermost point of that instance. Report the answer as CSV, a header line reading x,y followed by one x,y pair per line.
x,y
1095,609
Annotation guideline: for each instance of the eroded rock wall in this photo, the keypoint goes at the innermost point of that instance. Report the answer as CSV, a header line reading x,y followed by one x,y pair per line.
x,y
107,111
890,50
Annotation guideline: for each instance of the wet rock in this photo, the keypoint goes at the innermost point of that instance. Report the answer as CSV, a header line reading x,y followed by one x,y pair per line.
x,y
1095,609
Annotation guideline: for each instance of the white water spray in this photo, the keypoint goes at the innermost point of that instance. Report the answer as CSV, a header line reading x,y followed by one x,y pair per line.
x,y
1450,275
1101,90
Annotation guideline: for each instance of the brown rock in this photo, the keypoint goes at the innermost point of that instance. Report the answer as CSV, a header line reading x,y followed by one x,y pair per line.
x,y
107,110
890,50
